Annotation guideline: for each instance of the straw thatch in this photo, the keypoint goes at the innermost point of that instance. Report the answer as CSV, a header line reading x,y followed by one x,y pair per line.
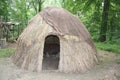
x,y
77,51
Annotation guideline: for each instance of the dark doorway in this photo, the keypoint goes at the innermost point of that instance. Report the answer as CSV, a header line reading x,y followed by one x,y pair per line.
x,y
51,53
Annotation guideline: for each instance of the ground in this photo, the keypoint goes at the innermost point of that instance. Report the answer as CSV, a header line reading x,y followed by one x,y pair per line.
x,y
107,69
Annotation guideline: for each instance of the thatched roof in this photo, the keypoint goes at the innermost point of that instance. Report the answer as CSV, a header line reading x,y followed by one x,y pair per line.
x,y
65,23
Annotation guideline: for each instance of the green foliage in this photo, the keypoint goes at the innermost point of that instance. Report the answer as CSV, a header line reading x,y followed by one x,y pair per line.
x,y
6,52
19,9
4,5
109,46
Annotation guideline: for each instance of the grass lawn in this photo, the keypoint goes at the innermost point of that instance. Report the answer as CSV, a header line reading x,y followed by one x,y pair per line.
x,y
6,52
108,46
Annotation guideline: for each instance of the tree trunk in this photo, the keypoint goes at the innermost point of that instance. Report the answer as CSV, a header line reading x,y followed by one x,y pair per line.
x,y
103,29
40,4
3,43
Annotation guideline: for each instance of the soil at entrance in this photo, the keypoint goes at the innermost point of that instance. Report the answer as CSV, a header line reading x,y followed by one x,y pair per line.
x,y
50,63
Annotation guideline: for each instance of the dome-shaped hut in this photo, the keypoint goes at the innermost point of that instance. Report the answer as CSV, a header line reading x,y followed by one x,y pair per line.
x,y
55,39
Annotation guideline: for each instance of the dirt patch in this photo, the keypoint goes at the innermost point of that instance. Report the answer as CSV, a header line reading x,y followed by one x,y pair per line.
x,y
11,44
105,70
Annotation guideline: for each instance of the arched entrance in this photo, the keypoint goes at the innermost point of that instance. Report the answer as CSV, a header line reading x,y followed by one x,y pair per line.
x,y
51,53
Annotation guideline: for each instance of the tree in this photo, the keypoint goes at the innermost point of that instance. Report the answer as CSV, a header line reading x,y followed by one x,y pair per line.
x,y
37,5
104,23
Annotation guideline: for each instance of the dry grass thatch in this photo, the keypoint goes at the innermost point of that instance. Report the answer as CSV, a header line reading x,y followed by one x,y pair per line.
x,y
77,51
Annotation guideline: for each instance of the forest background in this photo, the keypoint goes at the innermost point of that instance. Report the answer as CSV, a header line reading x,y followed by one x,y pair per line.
x,y
101,17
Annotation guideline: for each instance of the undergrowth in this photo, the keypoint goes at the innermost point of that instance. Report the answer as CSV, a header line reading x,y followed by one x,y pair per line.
x,y
108,46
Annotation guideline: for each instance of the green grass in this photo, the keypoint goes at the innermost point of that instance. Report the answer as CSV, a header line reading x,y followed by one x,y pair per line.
x,y
107,46
6,52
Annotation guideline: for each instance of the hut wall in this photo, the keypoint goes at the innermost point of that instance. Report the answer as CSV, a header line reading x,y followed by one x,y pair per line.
x,y
76,56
